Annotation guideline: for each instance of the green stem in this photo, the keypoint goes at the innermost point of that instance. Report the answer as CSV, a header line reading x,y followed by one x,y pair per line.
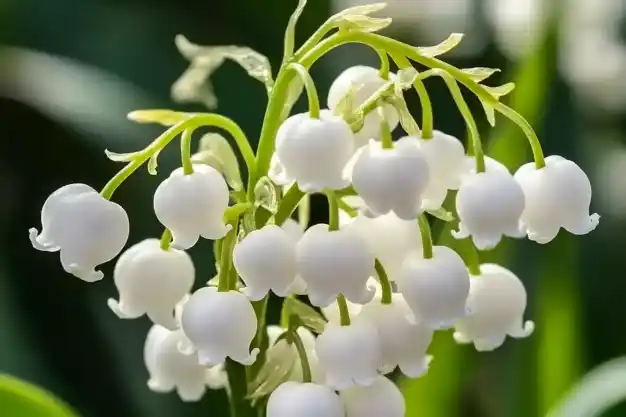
x,y
472,259
304,360
385,131
304,212
427,239
311,90
457,95
344,313
424,97
394,47
166,240
260,340
226,258
287,205
333,210
345,207
285,314
185,152
384,282
384,64
237,382
193,122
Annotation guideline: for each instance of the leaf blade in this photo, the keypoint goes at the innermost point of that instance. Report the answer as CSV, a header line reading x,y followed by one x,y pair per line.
x,y
446,46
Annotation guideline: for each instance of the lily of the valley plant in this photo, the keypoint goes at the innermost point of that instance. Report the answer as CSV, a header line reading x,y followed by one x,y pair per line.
x,y
362,294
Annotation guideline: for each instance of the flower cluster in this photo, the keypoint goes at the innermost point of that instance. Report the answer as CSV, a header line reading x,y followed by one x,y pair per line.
x,y
377,286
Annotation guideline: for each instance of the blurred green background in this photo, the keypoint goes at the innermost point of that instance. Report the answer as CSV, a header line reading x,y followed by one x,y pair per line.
x,y
70,70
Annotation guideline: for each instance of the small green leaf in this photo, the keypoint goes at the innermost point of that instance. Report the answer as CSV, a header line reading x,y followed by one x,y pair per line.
x,y
160,116
153,162
293,94
446,46
489,112
501,90
308,316
266,195
21,399
363,23
442,214
480,74
364,9
194,85
290,32
345,106
121,157
407,121
404,80
216,151
279,363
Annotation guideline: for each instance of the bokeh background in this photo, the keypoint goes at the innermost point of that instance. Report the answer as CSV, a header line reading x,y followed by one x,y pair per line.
x,y
70,70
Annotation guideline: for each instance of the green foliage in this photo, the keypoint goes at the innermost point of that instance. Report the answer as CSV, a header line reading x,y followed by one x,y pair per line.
x,y
21,399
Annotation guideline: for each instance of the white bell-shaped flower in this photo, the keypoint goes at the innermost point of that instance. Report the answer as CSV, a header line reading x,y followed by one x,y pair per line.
x,y
193,205
335,262
382,398
266,260
390,239
436,289
349,355
282,349
404,343
295,232
446,158
497,301
293,399
220,324
86,228
169,369
489,205
152,281
468,169
365,81
557,195
392,179
302,143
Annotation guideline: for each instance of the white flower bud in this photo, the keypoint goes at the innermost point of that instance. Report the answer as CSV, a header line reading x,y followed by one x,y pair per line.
x,y
86,228
392,179
349,355
193,205
152,281
489,205
446,161
289,352
365,81
302,142
557,195
293,399
497,301
333,263
436,289
382,398
390,239
220,324
403,343
169,369
266,260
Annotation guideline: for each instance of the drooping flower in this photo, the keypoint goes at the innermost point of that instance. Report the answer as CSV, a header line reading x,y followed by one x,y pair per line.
x,y
489,205
390,239
557,195
220,324
87,229
436,289
403,343
349,355
169,369
193,205
334,262
293,399
266,260
152,281
364,81
302,143
446,158
381,398
392,179
497,301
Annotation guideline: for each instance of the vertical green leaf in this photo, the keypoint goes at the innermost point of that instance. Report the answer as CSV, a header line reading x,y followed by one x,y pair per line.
x,y
21,399
290,32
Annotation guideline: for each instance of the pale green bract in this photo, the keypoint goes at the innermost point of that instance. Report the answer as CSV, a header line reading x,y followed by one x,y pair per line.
x,y
216,151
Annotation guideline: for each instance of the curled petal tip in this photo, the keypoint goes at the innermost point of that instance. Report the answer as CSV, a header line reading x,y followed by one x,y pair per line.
x,y
157,386
117,309
185,347
524,331
39,243
250,359
85,275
